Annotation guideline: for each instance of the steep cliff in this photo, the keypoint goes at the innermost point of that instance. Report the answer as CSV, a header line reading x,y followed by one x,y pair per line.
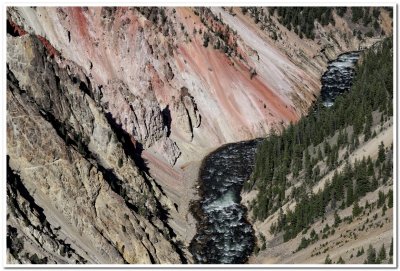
x,y
70,162
126,56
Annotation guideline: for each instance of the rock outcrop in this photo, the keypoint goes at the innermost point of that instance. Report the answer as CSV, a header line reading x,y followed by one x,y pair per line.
x,y
140,117
69,159
135,66
185,114
31,238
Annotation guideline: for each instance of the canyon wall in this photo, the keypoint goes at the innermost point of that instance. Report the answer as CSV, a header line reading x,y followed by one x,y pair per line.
x,y
110,110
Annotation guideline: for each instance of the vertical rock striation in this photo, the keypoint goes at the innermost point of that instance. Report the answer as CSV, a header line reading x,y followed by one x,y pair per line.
x,y
64,151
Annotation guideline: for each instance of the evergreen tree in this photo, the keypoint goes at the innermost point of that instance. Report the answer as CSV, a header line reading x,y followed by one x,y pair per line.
x,y
338,220
390,198
360,252
381,153
357,13
374,183
350,195
370,170
341,11
356,209
381,199
382,253
384,209
286,155
328,260
340,261
371,255
319,154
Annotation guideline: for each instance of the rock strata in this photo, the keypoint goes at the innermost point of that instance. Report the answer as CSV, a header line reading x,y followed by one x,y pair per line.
x,y
65,152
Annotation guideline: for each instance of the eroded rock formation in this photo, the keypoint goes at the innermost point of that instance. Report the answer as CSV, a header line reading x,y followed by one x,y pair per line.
x,y
68,158
110,110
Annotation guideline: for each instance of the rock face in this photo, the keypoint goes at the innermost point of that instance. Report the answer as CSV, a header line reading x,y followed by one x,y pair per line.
x,y
110,110
140,117
37,236
125,55
64,151
185,114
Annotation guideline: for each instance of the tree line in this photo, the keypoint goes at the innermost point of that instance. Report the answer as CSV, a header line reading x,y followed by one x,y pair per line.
x,y
298,154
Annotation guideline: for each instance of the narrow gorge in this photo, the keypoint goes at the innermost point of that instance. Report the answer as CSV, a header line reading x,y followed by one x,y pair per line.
x,y
134,133
223,234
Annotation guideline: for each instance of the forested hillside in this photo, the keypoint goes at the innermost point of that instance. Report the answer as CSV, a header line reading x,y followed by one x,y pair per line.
x,y
302,19
289,166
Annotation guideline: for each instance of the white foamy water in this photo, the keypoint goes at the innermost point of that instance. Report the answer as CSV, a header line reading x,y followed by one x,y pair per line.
x,y
227,200
337,79
224,236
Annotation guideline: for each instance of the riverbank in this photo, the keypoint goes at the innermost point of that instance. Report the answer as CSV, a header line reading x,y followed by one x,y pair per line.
x,y
183,187
179,185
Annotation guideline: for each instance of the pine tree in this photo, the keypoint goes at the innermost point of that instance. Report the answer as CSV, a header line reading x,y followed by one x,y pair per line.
x,y
390,198
367,129
371,255
356,142
338,220
319,154
370,170
387,170
307,165
381,153
381,199
360,252
340,261
206,40
328,260
281,155
374,183
384,209
367,205
350,195
356,209
382,253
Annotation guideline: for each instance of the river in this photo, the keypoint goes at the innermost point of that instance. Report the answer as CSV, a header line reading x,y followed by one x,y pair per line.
x,y
224,236
338,77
